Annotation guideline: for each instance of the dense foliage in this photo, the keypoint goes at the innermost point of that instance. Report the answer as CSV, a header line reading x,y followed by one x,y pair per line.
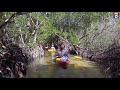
x,y
95,32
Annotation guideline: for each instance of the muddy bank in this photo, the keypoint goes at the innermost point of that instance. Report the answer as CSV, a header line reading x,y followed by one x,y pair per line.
x,y
15,58
108,59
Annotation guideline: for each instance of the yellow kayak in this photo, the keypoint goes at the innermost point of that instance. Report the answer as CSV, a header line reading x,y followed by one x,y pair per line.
x,y
57,59
77,57
50,50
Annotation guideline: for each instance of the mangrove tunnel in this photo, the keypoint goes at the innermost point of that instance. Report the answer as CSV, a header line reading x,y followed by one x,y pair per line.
x,y
31,45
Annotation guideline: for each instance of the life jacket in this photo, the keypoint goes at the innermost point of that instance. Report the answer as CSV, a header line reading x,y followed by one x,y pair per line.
x,y
63,55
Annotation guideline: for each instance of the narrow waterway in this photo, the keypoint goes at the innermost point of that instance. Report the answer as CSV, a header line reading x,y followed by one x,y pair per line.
x,y
42,68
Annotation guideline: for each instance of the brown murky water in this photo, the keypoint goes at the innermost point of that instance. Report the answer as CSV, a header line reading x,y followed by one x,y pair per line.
x,y
40,68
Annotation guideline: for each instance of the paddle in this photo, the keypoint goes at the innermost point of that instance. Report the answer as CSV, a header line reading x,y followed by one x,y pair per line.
x,y
77,57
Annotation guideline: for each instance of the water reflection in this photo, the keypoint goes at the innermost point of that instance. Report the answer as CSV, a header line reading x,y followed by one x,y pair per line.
x,y
76,69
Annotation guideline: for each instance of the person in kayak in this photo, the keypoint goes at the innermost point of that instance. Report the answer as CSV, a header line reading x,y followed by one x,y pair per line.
x,y
53,48
52,53
64,58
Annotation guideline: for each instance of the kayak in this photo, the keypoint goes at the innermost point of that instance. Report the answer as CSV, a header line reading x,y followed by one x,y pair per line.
x,y
64,65
77,57
57,59
50,50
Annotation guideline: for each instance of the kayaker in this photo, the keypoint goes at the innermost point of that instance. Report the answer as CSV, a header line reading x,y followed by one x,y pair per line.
x,y
64,57
52,53
53,48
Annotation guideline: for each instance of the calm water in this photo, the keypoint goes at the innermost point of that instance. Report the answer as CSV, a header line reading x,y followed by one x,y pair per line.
x,y
42,68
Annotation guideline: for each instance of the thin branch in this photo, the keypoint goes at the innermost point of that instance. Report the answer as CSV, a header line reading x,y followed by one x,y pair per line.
x,y
9,19
62,38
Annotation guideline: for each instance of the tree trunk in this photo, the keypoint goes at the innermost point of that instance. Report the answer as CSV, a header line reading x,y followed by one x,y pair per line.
x,y
21,36
35,37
